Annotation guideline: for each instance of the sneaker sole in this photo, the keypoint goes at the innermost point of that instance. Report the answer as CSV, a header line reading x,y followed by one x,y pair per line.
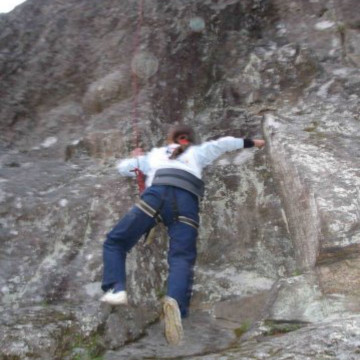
x,y
173,326
112,302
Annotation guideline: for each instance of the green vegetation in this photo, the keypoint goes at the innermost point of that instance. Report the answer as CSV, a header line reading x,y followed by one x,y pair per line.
x,y
240,331
160,293
297,272
78,347
281,327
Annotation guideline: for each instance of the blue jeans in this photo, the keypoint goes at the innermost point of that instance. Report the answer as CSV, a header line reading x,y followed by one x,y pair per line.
x,y
169,201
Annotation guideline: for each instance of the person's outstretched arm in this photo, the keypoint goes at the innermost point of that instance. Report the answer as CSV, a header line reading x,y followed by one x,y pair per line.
x,y
139,160
209,151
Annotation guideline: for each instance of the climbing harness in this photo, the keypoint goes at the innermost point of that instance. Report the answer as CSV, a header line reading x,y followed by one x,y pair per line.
x,y
188,221
155,213
181,179
148,210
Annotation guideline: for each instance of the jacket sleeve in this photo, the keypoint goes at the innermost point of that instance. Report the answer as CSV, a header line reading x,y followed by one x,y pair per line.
x,y
126,166
209,151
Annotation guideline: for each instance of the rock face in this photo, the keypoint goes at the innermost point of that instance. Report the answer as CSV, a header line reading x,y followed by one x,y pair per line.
x,y
83,82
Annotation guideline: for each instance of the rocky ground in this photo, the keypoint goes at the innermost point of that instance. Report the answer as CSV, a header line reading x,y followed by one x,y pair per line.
x,y
277,275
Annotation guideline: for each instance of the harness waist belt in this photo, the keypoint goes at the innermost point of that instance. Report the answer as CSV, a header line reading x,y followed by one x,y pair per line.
x,y
181,179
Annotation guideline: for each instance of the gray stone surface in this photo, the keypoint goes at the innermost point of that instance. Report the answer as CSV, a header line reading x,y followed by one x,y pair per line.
x,y
327,340
202,335
278,269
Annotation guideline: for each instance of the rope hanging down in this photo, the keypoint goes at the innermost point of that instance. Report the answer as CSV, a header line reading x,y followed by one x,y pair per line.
x,y
140,177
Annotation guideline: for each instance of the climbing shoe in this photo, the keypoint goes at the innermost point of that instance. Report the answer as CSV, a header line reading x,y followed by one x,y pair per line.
x,y
113,297
172,318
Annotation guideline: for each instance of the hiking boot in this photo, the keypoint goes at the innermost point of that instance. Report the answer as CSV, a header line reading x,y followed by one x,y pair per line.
x,y
172,318
115,298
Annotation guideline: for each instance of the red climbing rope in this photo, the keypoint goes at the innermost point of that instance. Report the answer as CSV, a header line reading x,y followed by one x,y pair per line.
x,y
135,85
140,177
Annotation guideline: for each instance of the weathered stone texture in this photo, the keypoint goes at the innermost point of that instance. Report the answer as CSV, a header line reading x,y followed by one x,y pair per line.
x,y
84,82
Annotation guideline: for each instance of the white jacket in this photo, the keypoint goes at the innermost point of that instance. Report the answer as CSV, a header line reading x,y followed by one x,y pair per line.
x,y
193,160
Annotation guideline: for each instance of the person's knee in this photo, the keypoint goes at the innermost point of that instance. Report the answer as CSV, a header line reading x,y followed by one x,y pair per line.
x,y
184,251
114,240
109,244
183,261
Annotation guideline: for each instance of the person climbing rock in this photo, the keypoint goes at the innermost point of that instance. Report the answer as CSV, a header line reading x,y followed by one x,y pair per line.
x,y
173,190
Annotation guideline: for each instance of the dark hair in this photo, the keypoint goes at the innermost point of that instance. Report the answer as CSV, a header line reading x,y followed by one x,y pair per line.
x,y
177,130
173,136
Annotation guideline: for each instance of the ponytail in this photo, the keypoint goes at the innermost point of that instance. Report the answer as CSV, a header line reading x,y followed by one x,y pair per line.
x,y
179,150
182,135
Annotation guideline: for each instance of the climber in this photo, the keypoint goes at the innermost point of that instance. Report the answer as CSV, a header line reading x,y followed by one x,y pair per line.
x,y
174,187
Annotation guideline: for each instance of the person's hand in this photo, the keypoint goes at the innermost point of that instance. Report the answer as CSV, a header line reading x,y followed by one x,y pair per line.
x,y
259,143
137,152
